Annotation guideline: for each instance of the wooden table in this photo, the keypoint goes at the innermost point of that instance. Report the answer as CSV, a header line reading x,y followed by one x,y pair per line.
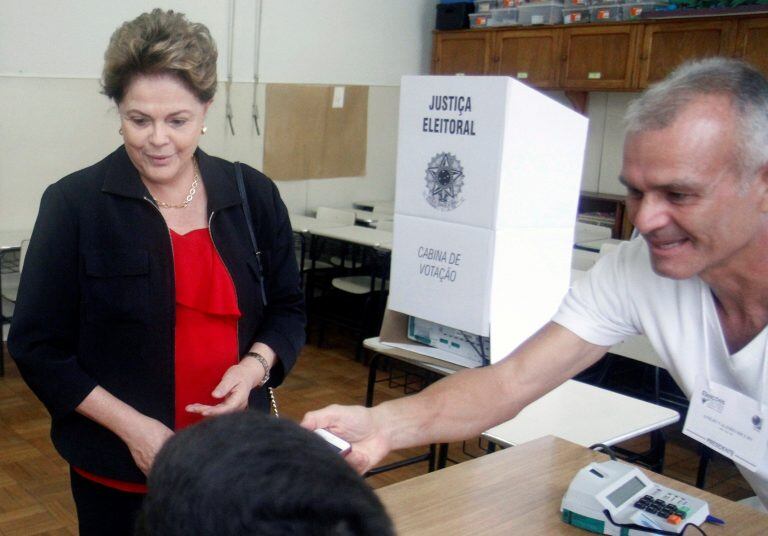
x,y
518,491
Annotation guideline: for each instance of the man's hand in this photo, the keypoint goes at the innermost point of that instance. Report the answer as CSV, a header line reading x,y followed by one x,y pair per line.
x,y
361,427
145,440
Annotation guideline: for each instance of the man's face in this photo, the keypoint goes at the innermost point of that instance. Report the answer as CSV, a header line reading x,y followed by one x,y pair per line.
x,y
685,195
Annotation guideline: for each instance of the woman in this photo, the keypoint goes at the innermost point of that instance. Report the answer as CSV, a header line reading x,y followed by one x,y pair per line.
x,y
142,308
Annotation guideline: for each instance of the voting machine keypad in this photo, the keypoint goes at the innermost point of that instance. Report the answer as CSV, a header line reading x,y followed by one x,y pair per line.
x,y
673,510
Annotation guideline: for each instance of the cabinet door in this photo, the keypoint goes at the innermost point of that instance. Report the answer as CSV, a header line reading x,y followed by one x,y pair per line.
x,y
666,45
752,42
599,57
462,52
531,56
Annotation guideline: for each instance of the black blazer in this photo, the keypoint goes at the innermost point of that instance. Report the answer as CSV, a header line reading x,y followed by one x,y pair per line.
x,y
96,301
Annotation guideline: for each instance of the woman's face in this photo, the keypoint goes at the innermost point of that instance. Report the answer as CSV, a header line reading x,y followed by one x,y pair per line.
x,y
161,123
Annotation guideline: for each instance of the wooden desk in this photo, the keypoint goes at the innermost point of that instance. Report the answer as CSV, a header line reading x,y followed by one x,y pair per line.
x,y
378,206
9,241
585,415
587,232
13,239
595,245
303,226
518,491
307,224
576,411
363,236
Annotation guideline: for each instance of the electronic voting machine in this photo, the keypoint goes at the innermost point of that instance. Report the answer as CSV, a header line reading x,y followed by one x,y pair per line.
x,y
612,497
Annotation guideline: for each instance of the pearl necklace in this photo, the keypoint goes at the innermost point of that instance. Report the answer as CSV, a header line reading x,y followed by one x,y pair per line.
x,y
190,195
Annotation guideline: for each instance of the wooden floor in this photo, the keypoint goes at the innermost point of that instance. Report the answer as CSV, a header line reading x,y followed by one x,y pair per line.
x,y
34,484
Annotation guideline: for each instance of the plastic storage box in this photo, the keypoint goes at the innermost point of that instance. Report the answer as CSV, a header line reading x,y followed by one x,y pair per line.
x,y
634,10
480,20
484,6
606,13
505,16
540,13
576,15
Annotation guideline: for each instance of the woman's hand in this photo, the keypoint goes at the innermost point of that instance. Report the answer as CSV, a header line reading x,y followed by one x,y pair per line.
x,y
233,389
360,426
145,440
143,435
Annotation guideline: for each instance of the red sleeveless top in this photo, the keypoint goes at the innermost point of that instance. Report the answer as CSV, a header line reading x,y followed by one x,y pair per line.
x,y
206,331
206,322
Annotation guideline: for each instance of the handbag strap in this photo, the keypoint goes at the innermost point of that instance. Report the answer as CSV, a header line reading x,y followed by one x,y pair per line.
x,y
249,223
273,402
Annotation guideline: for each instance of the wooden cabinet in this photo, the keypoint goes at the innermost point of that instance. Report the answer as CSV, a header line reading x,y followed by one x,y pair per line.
x,y
462,52
752,42
668,44
610,205
598,57
531,56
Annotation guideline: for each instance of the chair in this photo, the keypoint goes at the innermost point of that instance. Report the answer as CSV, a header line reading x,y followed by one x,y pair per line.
x,y
343,218
357,300
326,259
302,242
9,287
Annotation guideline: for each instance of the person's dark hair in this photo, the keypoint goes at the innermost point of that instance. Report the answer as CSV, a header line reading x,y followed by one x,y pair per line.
x,y
247,473
746,87
157,43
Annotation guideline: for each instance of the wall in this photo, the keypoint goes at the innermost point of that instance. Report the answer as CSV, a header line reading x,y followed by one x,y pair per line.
x,y
605,139
605,142
54,121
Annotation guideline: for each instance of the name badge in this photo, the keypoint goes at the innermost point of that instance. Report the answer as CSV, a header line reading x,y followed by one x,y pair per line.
x,y
728,422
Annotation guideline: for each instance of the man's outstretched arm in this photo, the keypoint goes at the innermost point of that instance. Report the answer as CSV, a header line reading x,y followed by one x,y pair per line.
x,y
462,405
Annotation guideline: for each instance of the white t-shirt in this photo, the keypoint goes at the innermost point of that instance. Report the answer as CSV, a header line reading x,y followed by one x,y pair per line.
x,y
622,296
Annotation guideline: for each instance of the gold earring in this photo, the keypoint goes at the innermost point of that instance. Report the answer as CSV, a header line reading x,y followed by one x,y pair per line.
x,y
120,131
203,130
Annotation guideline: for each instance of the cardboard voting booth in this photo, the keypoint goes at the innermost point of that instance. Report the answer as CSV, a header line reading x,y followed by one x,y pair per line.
x,y
488,175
